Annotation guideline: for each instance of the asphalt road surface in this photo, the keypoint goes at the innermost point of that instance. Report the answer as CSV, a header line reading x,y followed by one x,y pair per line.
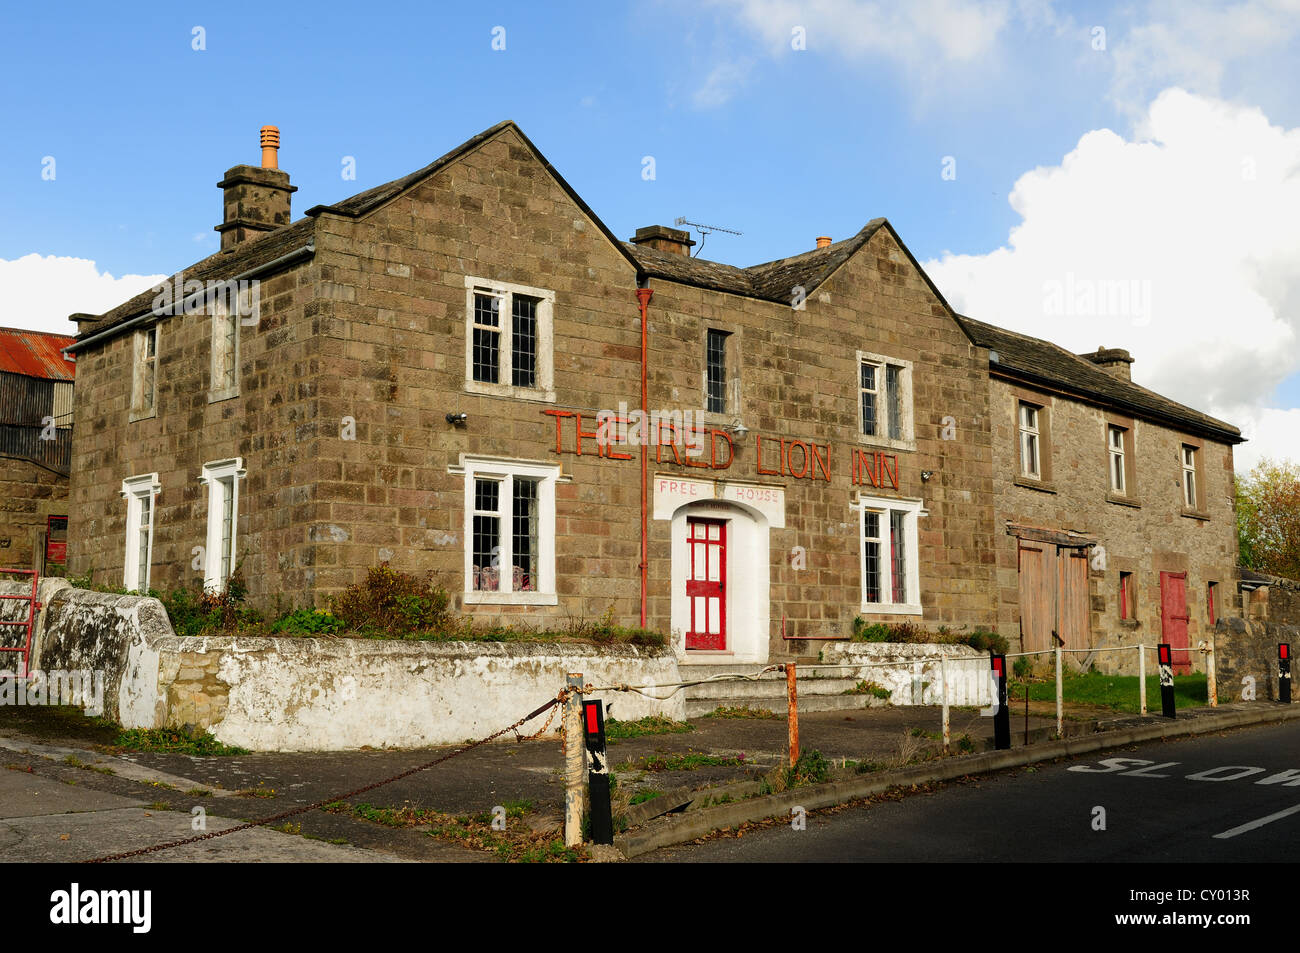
x,y
1227,797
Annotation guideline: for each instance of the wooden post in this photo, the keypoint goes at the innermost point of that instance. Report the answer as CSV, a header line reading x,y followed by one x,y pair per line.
x,y
1211,685
1060,723
1142,679
792,711
943,680
575,762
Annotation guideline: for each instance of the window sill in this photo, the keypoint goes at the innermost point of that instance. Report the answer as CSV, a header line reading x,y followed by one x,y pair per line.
x,y
1029,483
510,599
1130,623
216,396
142,415
885,443
1116,498
892,608
539,394
1193,514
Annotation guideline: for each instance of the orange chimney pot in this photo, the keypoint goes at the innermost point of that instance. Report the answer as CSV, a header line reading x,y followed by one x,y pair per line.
x,y
270,147
823,241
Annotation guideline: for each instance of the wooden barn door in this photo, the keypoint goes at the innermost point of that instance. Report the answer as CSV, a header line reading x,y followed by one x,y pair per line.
x,y
1054,595
1173,618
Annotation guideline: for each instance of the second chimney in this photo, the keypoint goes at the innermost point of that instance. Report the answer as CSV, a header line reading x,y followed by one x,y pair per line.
x,y
823,241
1115,361
255,200
674,241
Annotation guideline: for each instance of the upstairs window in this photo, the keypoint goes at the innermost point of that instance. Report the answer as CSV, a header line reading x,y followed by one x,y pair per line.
x,y
225,352
1190,487
1030,442
885,399
508,349
144,380
715,371
1115,441
139,493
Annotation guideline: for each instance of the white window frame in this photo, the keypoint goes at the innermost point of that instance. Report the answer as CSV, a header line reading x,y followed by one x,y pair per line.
x,y
222,313
134,490
504,470
220,477
505,291
1187,457
1034,431
906,422
138,410
1115,457
913,511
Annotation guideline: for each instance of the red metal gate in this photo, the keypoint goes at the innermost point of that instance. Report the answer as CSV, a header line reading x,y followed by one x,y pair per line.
x,y
1173,618
24,626
706,583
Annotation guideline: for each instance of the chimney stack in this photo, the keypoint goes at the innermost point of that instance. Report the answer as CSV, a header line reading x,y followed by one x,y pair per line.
x,y
823,241
1114,361
674,241
255,200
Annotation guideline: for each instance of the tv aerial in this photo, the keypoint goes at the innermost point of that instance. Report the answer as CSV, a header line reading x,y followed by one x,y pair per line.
x,y
704,230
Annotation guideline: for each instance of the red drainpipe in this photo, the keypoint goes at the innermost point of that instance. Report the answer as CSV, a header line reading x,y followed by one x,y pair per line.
x,y
643,296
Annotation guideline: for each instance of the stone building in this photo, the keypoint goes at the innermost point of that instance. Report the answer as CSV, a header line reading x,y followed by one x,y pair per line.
x,y
445,373
36,384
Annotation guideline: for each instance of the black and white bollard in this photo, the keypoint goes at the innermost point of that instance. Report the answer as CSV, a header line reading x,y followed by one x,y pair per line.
x,y
1001,717
1166,680
1284,672
602,823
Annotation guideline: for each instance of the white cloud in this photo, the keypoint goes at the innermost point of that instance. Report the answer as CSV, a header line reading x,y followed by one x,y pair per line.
x,y
1202,45
721,84
1199,219
39,292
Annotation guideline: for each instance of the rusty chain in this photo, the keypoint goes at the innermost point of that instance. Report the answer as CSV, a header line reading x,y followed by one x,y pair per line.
x,y
551,705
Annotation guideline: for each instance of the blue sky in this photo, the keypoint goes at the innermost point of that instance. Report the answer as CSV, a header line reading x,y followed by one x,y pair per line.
x,y
746,131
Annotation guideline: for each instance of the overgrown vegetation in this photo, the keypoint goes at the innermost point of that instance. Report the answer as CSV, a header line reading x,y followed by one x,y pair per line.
x,y
649,725
174,740
980,639
684,762
875,689
742,711
388,605
1268,518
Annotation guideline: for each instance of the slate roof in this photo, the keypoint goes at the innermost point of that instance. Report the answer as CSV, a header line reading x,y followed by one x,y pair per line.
x,y
35,354
771,281
1036,361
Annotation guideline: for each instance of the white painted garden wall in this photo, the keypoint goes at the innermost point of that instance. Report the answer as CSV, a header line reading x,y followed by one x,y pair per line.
x,y
910,678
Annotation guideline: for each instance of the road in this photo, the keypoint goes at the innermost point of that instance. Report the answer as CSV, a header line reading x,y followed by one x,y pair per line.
x,y
1228,797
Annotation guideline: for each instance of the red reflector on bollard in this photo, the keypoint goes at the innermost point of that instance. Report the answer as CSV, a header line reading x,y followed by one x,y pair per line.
x,y
1164,655
592,727
1283,650
997,667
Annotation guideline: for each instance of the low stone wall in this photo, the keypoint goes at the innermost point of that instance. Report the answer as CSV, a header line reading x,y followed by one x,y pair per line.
x,y
902,668
317,694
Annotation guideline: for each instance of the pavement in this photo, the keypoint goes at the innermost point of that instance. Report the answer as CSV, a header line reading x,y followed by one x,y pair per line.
x,y
65,795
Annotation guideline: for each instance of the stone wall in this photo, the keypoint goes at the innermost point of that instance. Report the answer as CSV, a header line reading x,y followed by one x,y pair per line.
x,y
29,494
1247,647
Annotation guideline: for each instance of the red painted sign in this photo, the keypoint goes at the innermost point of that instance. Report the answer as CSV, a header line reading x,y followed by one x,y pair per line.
x,y
875,469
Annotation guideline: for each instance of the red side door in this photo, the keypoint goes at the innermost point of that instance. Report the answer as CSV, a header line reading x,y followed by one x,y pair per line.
x,y
706,583
1173,618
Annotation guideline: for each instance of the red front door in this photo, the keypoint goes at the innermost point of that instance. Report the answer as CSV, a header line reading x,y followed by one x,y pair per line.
x,y
706,583
1173,618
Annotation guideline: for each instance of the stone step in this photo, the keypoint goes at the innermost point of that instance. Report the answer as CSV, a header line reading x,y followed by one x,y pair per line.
x,y
697,707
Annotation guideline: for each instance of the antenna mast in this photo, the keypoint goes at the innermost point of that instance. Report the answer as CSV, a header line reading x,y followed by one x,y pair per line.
x,y
704,230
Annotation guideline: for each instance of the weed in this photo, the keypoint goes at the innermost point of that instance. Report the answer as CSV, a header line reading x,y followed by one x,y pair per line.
x,y
649,725
198,792
158,806
684,762
965,744
874,689
743,711
196,742
73,760
255,792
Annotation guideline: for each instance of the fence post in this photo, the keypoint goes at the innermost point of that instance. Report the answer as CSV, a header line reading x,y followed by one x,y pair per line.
x,y
575,761
792,711
1142,679
943,683
1060,723
1211,683
1165,659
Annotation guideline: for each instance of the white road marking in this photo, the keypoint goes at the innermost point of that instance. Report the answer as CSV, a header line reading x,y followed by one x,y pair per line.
x,y
1258,823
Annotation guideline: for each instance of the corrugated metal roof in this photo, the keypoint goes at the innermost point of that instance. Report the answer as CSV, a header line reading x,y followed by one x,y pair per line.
x,y
36,354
